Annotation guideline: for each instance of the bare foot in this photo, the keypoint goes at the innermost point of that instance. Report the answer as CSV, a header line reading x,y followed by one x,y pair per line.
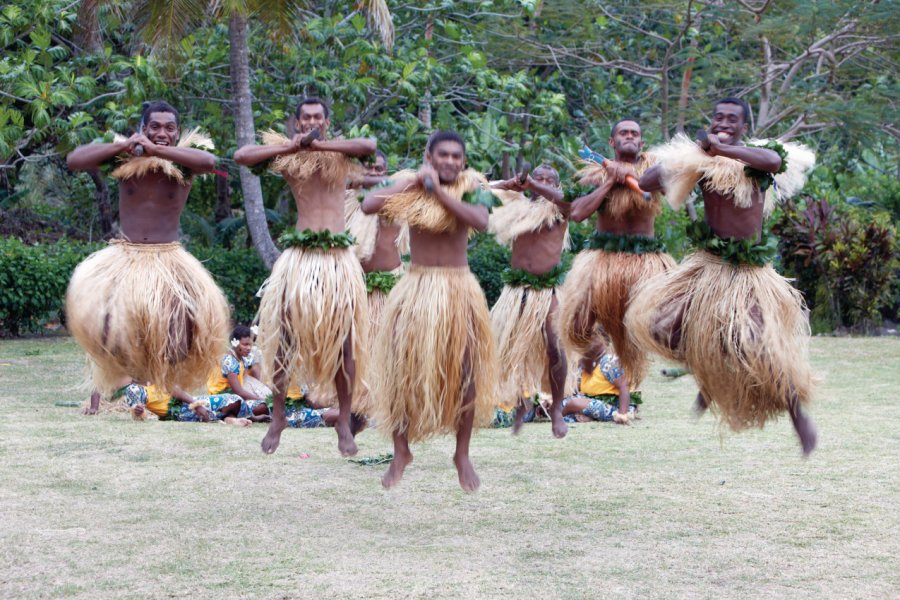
x,y
273,435
261,418
238,422
560,427
137,412
804,427
395,471
346,443
468,478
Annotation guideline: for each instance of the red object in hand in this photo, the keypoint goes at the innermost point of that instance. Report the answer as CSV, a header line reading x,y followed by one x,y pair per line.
x,y
630,180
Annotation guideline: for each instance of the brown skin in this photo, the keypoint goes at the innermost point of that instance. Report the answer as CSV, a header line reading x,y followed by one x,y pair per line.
x,y
242,351
729,221
627,143
320,206
444,164
149,206
386,255
538,252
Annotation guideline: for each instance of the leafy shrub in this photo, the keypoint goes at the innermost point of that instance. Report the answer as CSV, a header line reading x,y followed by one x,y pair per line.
x,y
844,262
487,260
240,273
33,282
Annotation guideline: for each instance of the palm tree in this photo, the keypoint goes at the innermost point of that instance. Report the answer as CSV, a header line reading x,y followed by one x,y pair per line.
x,y
164,23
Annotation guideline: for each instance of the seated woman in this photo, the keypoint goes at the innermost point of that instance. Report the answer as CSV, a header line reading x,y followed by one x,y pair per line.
x,y
253,373
603,394
229,377
145,401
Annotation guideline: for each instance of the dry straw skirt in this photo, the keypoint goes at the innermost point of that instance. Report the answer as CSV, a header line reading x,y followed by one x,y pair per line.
x,y
744,335
599,289
312,303
434,342
147,311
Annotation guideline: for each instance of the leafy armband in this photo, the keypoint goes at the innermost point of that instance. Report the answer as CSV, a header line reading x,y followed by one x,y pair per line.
x,y
481,197
764,179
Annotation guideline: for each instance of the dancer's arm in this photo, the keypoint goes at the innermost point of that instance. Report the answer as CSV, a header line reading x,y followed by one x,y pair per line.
x,y
761,159
90,156
651,180
471,215
196,160
584,207
253,154
353,147
374,200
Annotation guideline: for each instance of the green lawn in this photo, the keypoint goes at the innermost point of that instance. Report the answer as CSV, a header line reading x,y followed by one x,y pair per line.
x,y
103,507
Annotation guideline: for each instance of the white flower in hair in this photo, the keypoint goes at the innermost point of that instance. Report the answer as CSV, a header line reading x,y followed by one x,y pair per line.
x,y
235,342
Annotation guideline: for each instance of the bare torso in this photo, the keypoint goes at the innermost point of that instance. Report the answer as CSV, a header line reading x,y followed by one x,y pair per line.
x,y
539,251
319,205
386,255
729,221
439,249
631,224
150,208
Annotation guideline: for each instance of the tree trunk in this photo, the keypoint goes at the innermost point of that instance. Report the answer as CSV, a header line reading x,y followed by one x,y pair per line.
x,y
245,131
87,28
425,101
223,199
103,206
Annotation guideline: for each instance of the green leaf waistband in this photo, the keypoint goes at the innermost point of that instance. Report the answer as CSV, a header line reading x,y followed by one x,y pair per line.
x,y
381,280
522,278
322,240
734,251
628,244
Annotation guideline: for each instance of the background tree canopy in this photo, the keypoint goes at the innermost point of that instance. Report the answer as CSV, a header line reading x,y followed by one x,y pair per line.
x,y
524,80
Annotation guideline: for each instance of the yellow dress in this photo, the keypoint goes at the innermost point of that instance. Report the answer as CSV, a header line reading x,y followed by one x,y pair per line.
x,y
218,379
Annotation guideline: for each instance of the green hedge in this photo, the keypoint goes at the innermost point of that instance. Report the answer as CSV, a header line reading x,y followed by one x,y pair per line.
x,y
240,273
33,280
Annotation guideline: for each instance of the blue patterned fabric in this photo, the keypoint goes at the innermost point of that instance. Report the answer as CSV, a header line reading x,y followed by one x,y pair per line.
x,y
609,366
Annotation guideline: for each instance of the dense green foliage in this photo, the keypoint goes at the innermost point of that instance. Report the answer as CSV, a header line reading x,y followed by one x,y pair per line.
x,y
523,80
33,281
844,262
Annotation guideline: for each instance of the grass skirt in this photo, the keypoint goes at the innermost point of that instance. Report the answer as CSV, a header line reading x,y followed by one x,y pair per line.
x,y
313,300
147,311
744,335
517,320
435,317
599,289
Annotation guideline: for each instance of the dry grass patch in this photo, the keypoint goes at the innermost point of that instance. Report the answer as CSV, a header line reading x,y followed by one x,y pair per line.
x,y
105,507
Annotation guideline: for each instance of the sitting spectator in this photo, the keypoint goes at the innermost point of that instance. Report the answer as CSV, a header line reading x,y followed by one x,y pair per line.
x,y
253,374
229,377
603,392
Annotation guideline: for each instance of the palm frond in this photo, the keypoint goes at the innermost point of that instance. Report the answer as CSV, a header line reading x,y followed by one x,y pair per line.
x,y
163,23
381,21
282,15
